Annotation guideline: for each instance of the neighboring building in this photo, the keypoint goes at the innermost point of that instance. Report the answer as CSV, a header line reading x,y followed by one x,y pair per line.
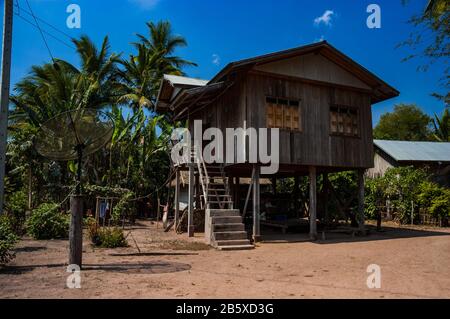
x,y
318,97
434,156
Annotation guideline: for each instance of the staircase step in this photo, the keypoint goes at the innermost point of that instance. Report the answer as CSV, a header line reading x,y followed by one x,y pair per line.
x,y
224,212
227,220
228,227
230,235
225,201
223,243
236,247
216,190
219,195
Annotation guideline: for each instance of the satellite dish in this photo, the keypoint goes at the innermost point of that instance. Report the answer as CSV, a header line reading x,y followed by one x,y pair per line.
x,y
69,136
74,134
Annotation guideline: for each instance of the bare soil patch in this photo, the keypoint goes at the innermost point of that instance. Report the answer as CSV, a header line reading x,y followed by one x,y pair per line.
x,y
414,264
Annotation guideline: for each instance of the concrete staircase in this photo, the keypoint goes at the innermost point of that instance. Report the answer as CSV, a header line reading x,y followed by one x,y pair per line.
x,y
224,228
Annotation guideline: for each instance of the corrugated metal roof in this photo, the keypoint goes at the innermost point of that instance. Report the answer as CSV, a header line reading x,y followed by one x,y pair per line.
x,y
182,80
415,151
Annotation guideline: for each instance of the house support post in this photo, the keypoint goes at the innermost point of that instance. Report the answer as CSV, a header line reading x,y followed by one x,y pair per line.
x,y
191,201
312,203
198,191
237,188
256,204
360,216
177,198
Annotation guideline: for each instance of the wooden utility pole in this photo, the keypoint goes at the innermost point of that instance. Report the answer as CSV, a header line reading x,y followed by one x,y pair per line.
x,y
4,92
76,231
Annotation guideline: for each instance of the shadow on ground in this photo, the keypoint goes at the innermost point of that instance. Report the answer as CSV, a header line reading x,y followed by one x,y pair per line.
x,y
274,237
29,249
151,254
144,268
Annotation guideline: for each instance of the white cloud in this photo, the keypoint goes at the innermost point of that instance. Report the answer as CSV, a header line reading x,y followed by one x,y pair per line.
x,y
215,59
325,18
322,37
145,4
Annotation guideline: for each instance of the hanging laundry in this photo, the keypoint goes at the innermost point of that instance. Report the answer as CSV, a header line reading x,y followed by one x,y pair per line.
x,y
103,205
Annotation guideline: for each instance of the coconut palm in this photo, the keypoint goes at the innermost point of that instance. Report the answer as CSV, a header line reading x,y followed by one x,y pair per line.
x,y
163,42
442,126
142,73
57,87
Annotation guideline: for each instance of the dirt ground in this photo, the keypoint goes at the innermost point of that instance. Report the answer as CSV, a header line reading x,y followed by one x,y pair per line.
x,y
415,263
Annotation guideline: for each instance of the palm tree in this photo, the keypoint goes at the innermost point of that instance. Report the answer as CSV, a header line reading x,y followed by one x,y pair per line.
x,y
141,73
139,79
442,126
57,87
163,42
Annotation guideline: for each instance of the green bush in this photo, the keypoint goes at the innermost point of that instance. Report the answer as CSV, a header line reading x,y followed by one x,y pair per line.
x,y
374,197
402,186
106,237
7,240
48,222
16,206
435,199
440,206
112,237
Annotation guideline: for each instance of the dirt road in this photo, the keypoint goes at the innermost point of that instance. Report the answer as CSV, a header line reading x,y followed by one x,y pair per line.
x,y
414,264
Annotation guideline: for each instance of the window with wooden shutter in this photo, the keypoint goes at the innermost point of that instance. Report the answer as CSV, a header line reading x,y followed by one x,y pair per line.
x,y
283,113
344,120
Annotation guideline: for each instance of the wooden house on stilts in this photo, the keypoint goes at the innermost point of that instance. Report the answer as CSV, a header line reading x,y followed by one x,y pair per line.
x,y
320,100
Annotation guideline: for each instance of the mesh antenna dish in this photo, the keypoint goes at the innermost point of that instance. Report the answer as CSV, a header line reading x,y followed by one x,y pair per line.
x,y
74,134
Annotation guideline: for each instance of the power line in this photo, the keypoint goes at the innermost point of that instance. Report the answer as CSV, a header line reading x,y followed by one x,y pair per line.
x,y
40,30
47,33
43,21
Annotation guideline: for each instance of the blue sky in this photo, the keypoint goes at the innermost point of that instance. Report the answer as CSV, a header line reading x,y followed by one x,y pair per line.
x,y
221,31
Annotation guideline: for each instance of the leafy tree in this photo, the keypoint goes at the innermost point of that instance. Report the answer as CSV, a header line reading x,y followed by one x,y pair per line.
x,y
442,127
407,123
431,39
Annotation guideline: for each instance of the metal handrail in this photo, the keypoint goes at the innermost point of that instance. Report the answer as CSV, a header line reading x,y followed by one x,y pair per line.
x,y
201,166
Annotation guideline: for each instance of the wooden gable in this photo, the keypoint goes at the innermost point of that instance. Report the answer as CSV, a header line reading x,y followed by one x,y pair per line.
x,y
313,67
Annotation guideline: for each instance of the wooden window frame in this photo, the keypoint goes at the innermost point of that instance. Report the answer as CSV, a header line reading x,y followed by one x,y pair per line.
x,y
284,103
358,121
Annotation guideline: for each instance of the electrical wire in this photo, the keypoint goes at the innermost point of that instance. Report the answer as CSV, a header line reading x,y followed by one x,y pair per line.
x,y
43,21
40,30
47,33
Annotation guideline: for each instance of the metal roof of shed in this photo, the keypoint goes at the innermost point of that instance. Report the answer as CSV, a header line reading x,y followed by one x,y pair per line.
x,y
415,151
182,80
